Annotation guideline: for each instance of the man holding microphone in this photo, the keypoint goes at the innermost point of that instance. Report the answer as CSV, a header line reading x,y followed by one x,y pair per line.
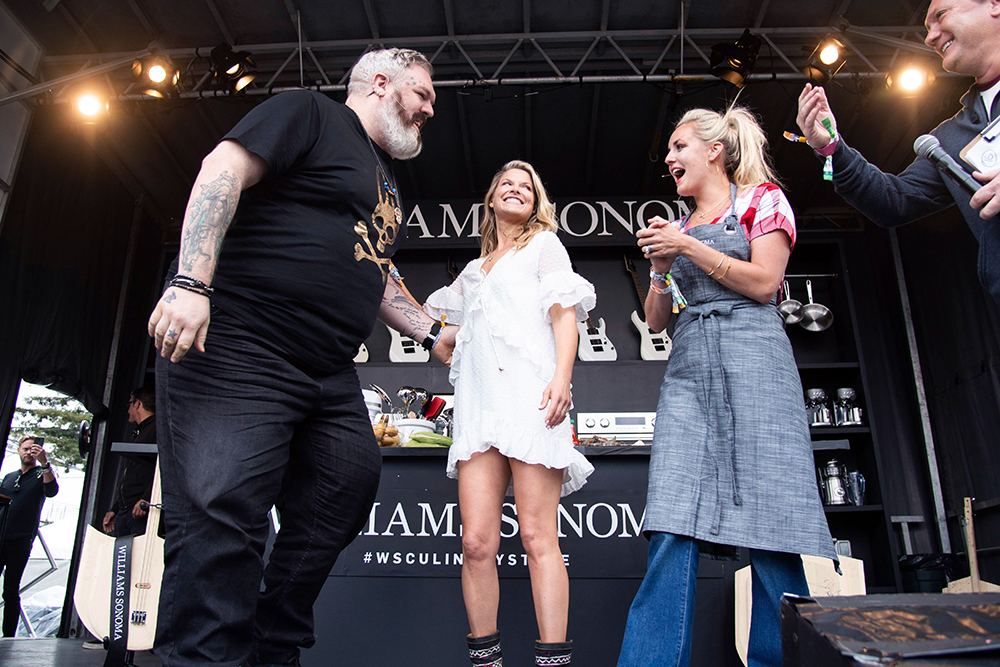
x,y
966,34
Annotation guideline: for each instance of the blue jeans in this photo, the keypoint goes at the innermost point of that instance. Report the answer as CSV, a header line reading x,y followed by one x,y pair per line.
x,y
658,631
240,429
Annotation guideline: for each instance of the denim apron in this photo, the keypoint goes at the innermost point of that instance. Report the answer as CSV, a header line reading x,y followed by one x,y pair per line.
x,y
732,463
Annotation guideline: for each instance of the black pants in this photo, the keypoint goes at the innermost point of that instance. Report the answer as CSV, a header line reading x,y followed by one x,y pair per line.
x,y
239,427
126,524
13,559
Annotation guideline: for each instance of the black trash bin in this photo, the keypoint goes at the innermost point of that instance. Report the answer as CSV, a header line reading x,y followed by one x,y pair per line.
x,y
928,573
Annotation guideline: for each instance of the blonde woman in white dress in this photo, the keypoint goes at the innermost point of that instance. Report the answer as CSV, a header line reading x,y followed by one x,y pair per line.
x,y
517,305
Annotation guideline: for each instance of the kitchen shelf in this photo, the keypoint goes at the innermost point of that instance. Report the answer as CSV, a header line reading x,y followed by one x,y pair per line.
x,y
838,430
851,509
831,445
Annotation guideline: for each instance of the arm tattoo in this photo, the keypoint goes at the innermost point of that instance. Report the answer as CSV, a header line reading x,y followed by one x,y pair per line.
x,y
208,217
409,318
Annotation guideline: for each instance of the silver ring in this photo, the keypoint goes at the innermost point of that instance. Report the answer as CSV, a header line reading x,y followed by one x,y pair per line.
x,y
648,249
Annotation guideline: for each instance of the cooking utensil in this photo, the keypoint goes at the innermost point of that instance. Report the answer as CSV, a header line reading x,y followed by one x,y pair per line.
x,y
434,407
407,395
381,392
815,316
449,417
790,309
421,396
856,488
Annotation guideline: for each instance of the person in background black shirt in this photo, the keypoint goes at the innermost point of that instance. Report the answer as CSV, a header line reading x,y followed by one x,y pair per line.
x,y
135,483
28,488
270,405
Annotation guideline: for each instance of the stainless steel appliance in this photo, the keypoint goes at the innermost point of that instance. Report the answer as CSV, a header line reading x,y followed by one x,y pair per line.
x,y
627,428
845,409
833,483
817,405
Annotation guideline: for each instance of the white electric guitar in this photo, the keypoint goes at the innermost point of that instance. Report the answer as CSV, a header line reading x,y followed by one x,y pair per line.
x,y
362,355
653,346
404,349
594,343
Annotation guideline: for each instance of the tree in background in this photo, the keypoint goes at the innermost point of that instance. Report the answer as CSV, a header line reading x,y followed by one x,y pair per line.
x,y
57,419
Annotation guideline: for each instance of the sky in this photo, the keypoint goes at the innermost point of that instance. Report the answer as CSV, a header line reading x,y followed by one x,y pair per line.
x,y
31,390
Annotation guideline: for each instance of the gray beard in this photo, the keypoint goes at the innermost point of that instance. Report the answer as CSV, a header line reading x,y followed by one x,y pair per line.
x,y
399,139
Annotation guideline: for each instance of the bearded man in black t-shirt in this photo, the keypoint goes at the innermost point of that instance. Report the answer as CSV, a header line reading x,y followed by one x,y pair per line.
x,y
292,280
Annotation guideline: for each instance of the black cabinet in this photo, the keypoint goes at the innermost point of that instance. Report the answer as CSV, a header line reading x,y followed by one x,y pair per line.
x,y
829,360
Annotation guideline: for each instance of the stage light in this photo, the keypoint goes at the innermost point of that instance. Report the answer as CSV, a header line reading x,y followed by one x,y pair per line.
x,y
825,60
910,79
829,55
232,68
92,106
156,75
733,62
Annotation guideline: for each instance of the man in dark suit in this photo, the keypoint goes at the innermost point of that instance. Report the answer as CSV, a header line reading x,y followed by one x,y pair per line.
x,y
135,482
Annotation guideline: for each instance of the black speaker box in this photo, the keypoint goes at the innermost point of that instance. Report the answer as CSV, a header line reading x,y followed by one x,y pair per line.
x,y
906,630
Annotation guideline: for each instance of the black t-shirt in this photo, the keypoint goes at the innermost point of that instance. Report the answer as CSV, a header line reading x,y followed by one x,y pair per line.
x,y
293,265
27,492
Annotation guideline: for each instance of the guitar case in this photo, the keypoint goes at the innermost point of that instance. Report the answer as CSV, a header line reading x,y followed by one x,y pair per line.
x,y
101,569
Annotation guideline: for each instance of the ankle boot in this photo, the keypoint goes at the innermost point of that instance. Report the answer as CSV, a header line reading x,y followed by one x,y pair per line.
x,y
553,655
485,651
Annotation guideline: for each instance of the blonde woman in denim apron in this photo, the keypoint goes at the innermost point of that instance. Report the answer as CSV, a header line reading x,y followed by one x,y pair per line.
x,y
732,462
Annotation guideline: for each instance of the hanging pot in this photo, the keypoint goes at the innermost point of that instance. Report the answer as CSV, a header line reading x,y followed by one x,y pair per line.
x,y
815,316
790,309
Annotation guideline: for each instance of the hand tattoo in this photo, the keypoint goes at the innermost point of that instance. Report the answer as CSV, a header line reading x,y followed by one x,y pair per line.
x,y
169,297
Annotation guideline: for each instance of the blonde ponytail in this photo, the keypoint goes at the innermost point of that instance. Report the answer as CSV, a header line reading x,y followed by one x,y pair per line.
x,y
744,143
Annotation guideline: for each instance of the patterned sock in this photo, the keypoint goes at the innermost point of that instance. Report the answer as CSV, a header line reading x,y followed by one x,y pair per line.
x,y
553,655
485,651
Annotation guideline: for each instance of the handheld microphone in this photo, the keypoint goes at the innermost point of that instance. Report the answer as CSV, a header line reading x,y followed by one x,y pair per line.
x,y
929,147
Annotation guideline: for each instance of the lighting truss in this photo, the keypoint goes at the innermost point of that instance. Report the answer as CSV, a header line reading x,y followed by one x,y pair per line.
x,y
509,59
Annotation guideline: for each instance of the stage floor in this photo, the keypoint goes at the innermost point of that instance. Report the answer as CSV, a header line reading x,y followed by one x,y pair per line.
x,y
59,653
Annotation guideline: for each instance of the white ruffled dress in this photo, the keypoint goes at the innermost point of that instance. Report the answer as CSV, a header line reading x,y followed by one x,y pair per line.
x,y
505,323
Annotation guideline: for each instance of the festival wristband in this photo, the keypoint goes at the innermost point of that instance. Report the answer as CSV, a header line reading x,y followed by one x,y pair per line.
x,y
432,336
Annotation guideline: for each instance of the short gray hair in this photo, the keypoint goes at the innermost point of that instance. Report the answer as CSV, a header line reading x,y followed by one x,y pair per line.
x,y
391,62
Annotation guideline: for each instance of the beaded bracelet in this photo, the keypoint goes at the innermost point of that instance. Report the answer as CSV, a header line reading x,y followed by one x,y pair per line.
x,y
191,285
